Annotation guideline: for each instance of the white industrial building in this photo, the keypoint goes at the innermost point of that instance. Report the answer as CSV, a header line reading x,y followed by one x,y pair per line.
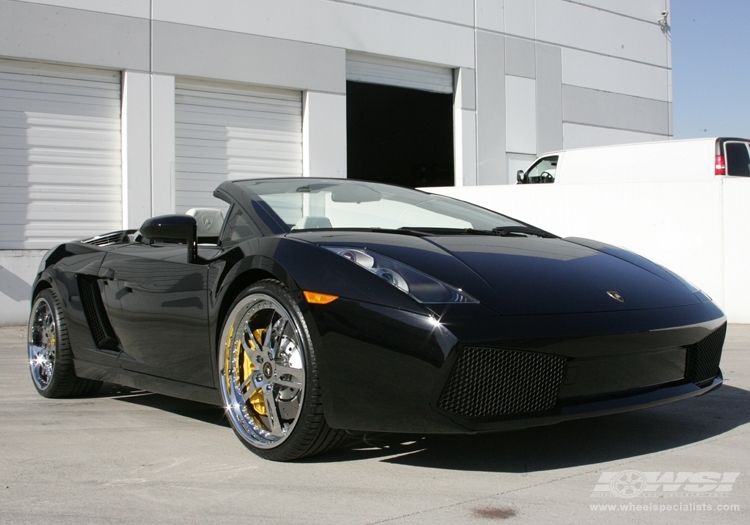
x,y
112,111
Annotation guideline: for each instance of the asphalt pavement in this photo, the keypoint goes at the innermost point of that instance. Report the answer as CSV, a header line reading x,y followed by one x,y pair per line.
x,y
132,457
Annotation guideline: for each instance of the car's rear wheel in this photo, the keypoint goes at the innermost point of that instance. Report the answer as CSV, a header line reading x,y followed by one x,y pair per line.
x,y
269,377
50,355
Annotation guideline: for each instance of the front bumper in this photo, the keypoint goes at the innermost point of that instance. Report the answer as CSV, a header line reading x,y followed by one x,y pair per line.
x,y
467,369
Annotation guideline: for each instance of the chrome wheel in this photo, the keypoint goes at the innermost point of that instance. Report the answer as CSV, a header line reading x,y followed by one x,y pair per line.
x,y
262,370
50,355
42,339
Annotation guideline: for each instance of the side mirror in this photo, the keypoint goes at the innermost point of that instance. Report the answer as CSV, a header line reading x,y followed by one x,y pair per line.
x,y
173,228
519,176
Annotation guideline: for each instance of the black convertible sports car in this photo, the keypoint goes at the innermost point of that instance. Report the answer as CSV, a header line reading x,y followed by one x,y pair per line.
x,y
320,305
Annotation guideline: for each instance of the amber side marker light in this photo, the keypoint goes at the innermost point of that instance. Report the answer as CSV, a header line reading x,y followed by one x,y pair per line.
x,y
319,298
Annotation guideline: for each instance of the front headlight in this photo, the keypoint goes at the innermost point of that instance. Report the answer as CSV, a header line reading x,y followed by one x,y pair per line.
x,y
420,286
703,296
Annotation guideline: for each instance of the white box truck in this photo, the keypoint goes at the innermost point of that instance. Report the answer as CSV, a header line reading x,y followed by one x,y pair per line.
x,y
671,160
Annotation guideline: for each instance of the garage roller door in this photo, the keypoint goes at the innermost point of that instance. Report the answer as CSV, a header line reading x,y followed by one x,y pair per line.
x,y
229,132
60,154
391,72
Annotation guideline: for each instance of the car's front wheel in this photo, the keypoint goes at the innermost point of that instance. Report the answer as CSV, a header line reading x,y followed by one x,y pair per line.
x,y
269,377
50,355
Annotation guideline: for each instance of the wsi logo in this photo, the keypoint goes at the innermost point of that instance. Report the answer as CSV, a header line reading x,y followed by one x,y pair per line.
x,y
632,483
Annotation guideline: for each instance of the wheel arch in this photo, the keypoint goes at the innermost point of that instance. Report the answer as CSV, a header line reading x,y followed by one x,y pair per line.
x,y
241,282
42,284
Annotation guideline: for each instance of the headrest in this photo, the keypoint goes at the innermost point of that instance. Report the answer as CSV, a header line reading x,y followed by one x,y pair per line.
x,y
209,221
310,222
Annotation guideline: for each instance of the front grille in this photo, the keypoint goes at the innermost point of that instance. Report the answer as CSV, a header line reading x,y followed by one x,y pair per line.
x,y
487,383
703,357
93,308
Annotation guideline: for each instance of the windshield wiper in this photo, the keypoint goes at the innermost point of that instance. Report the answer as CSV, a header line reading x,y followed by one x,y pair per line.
x,y
509,231
400,231
431,230
419,231
500,231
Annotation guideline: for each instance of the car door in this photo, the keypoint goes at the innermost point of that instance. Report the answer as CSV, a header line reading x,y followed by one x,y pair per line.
x,y
157,304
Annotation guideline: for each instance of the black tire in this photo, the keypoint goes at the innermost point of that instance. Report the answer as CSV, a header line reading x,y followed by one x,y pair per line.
x,y
50,355
268,376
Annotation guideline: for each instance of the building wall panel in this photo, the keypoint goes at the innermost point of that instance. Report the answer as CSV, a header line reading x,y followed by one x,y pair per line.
x,y
55,34
490,78
207,53
615,75
135,8
454,11
490,15
520,18
574,25
580,136
520,57
521,112
646,10
612,110
549,118
335,24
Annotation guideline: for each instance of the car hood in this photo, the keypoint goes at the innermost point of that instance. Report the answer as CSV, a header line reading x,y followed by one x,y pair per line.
x,y
530,275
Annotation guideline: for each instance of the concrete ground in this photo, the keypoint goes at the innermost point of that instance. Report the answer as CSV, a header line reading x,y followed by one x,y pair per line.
x,y
131,457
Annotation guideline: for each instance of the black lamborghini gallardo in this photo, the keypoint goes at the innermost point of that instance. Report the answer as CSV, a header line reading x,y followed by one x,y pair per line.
x,y
315,306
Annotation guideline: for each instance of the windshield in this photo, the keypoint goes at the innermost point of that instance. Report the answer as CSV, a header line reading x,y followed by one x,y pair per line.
x,y
304,204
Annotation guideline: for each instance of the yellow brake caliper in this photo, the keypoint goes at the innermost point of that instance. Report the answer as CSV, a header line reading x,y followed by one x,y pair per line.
x,y
245,368
227,352
256,400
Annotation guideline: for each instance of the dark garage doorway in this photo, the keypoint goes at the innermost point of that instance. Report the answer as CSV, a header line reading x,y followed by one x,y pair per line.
x,y
399,135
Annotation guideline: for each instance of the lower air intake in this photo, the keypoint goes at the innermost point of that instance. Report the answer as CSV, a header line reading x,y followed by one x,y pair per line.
x,y
490,382
703,357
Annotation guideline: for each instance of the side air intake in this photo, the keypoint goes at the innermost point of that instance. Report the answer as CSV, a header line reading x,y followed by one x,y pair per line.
x,y
93,308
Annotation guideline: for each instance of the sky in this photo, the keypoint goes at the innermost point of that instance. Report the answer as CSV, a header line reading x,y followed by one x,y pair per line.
x,y
710,68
